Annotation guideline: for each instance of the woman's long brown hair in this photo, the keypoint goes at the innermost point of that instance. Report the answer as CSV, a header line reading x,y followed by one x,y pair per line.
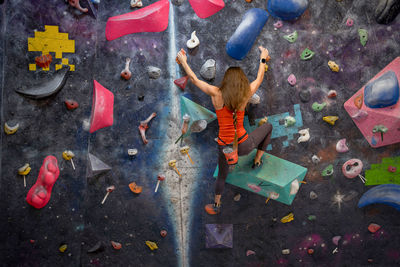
x,y
235,89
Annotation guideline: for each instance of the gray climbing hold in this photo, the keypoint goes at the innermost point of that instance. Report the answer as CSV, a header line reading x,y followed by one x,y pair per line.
x,y
208,69
305,95
219,235
177,2
153,72
96,166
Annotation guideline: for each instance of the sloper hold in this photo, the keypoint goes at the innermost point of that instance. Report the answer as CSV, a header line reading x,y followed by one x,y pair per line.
x,y
388,194
219,235
382,92
96,166
102,108
246,33
47,88
206,8
152,18
287,9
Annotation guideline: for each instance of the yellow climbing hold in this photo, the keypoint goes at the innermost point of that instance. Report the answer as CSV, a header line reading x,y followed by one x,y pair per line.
x,y
333,66
151,245
24,170
331,119
51,40
288,218
266,67
63,248
262,121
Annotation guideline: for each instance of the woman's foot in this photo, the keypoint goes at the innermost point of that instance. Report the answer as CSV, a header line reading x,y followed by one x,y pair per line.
x,y
212,209
257,164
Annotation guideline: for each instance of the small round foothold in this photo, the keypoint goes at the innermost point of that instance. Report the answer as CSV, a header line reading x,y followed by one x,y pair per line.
x,y
163,233
140,97
349,22
71,104
310,251
305,96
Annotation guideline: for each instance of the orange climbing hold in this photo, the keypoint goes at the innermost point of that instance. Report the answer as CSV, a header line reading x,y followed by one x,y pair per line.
x,y
358,101
135,188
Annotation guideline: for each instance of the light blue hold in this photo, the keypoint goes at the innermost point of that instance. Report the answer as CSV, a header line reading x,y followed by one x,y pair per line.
x,y
279,130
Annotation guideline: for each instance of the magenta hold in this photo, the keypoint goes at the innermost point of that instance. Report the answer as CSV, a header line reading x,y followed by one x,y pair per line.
x,y
349,22
392,169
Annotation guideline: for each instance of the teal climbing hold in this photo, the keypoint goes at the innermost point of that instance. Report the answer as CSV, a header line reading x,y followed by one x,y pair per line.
x,y
273,178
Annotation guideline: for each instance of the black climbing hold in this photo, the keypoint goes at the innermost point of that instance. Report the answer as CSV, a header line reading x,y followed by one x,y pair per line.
x,y
305,96
140,98
96,248
47,88
386,11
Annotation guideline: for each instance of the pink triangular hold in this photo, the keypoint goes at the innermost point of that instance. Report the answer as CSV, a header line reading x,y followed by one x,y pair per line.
x,y
102,108
206,8
152,18
181,82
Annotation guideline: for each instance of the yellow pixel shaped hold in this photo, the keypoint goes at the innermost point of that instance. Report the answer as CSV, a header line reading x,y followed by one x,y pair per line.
x,y
51,40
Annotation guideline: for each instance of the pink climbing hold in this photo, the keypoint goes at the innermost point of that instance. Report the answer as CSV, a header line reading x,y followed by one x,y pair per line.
x,y
181,82
152,18
206,8
366,118
292,79
102,108
39,194
349,22
278,24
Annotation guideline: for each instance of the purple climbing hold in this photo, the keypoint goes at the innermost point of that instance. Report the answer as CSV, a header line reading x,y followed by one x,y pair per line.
x,y
219,235
382,92
287,9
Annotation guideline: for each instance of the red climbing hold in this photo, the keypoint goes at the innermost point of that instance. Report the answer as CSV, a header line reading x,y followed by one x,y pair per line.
x,y
373,227
39,194
181,82
44,60
206,8
71,104
152,18
102,108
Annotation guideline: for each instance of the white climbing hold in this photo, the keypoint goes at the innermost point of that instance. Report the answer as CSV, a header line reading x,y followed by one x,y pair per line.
x,y
193,41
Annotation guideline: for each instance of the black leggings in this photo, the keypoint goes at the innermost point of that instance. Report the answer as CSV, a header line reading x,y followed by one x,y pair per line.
x,y
259,138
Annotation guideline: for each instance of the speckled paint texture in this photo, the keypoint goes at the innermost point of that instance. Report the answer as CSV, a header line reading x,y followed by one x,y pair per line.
x,y
74,215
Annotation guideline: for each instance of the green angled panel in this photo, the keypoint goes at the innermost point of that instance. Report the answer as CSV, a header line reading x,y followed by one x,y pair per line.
x,y
196,112
379,174
275,175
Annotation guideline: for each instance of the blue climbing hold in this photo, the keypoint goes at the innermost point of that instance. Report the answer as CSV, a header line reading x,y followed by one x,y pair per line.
x,y
246,33
383,92
388,194
287,9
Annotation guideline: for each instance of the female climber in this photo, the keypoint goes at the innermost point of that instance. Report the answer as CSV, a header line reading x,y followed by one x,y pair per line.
x,y
230,100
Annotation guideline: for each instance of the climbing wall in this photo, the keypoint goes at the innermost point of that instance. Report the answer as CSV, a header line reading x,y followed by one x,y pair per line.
x,y
325,207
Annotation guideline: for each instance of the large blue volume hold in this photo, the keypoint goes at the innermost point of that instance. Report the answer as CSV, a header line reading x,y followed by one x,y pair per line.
x,y
246,33
383,92
388,194
287,9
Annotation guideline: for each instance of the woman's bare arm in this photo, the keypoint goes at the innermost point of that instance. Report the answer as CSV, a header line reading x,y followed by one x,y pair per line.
x,y
209,89
261,71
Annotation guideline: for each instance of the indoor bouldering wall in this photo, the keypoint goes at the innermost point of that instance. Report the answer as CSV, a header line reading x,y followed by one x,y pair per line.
x,y
74,228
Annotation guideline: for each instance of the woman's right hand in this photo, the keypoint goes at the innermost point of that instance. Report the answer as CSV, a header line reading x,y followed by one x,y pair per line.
x,y
264,53
181,56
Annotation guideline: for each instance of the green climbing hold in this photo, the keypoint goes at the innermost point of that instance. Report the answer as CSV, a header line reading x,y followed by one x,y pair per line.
x,y
380,129
363,36
307,54
312,217
328,170
289,121
291,37
318,107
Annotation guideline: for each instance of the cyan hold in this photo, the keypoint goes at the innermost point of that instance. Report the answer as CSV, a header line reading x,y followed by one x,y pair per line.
x,y
246,33
383,92
287,9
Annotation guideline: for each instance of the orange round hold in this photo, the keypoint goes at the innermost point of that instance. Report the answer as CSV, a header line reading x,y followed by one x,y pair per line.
x,y
135,188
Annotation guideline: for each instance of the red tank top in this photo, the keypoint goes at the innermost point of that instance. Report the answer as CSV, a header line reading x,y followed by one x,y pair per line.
x,y
226,127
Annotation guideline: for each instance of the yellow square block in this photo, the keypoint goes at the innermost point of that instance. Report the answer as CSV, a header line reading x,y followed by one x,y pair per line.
x,y
58,66
51,29
64,61
46,69
32,67
72,67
